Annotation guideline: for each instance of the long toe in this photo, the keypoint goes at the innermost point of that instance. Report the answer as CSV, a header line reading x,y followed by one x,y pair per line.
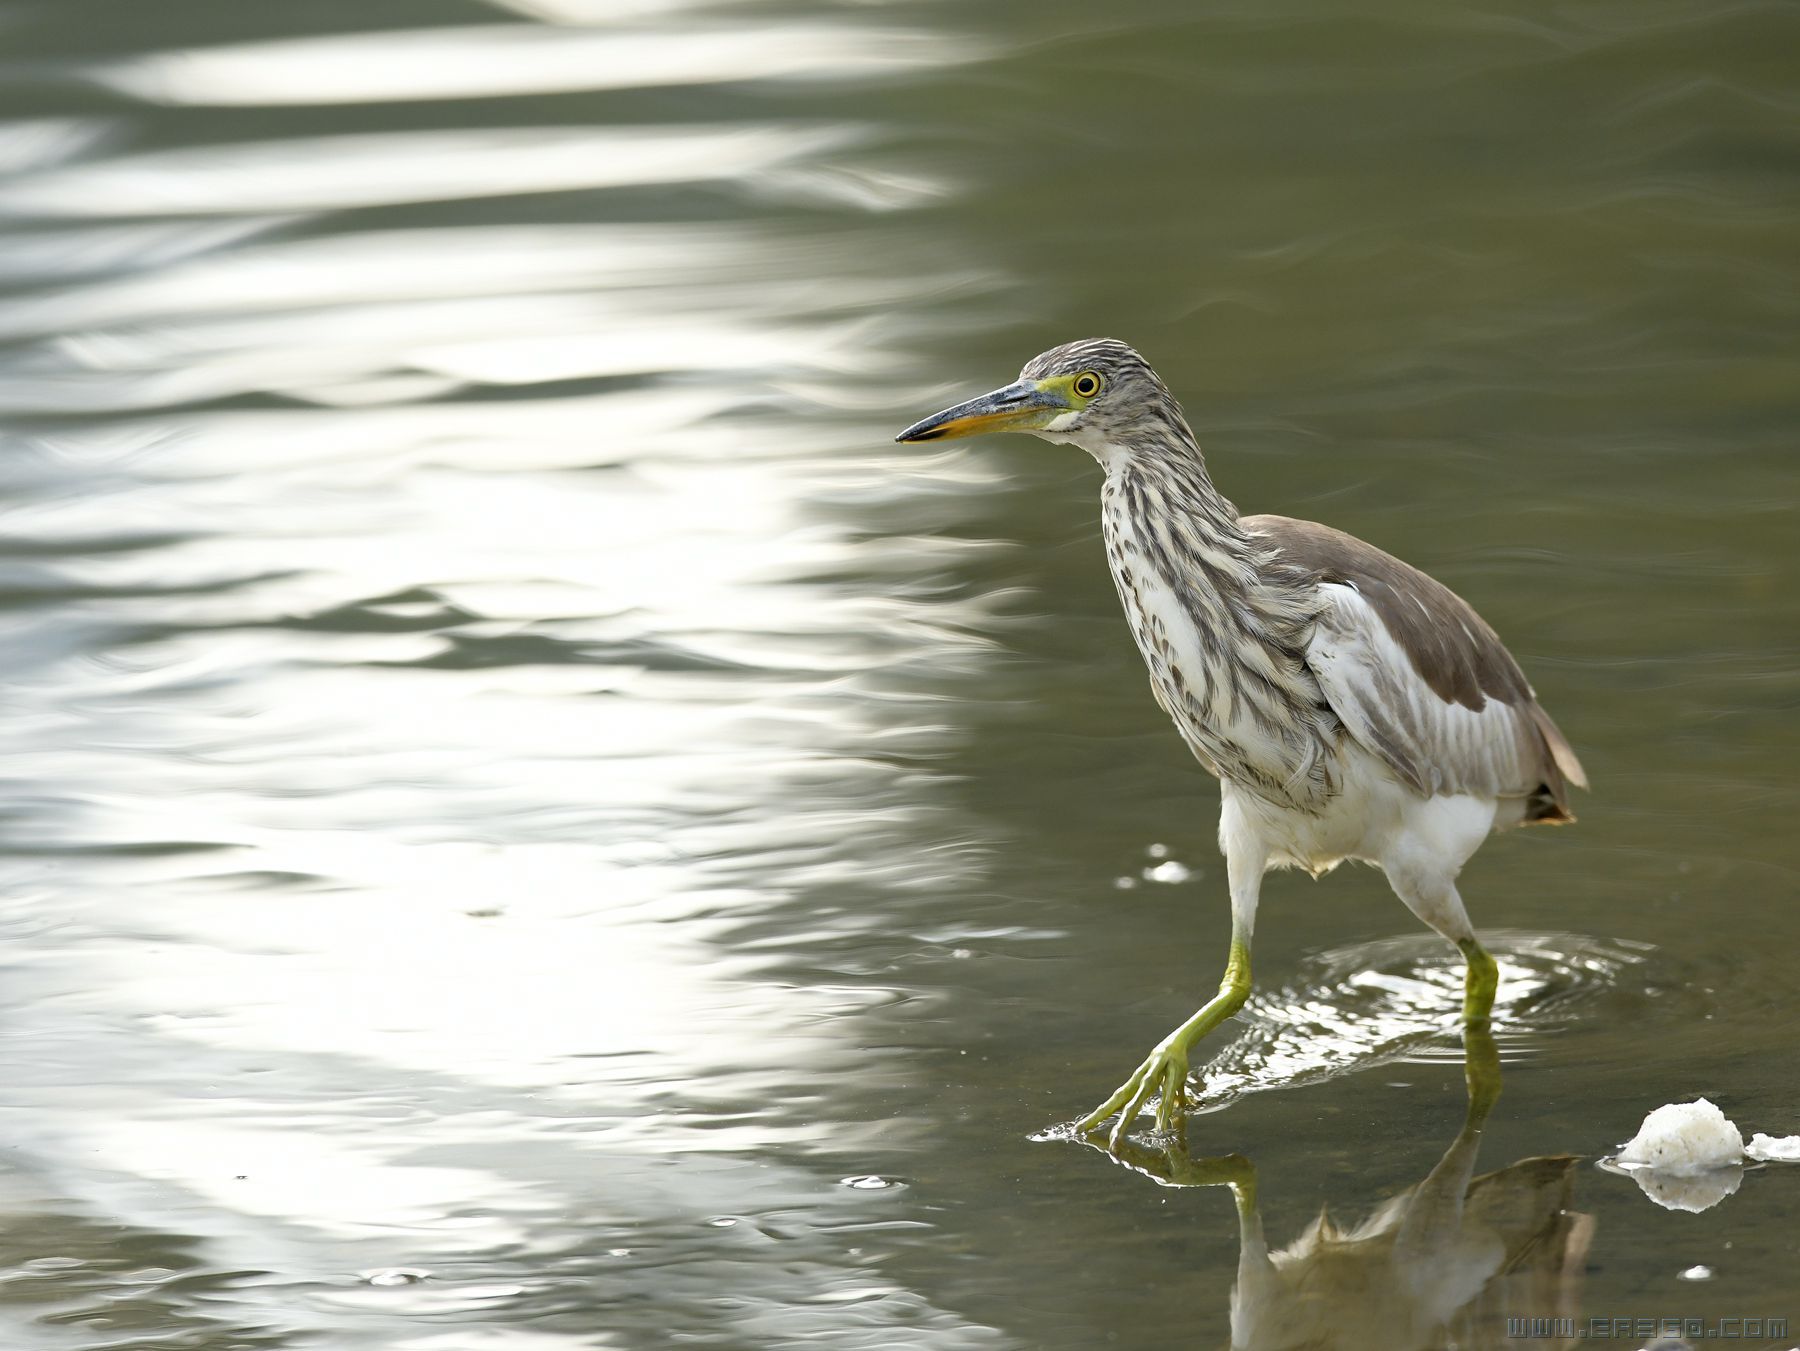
x,y
1164,1073
1172,1106
1127,1099
1146,1079
1091,1123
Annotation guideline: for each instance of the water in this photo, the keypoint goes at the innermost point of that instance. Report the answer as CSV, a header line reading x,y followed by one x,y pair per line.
x,y
531,824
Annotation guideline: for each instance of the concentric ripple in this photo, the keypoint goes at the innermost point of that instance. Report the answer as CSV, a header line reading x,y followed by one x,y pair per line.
x,y
1399,999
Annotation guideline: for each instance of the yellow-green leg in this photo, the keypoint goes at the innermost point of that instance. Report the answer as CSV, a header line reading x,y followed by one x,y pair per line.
x,y
1164,1071
1479,983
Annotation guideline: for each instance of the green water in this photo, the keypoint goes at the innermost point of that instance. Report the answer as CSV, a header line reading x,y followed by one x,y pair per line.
x,y
531,824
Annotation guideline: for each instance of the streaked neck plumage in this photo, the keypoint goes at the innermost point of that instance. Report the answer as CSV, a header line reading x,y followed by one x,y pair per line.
x,y
1222,626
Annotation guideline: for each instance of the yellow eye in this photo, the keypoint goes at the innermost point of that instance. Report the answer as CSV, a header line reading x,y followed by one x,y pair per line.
x,y
1087,384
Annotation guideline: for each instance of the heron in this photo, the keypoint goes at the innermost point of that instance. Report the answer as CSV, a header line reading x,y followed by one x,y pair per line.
x,y
1351,707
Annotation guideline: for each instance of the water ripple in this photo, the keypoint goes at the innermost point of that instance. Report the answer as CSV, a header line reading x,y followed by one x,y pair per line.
x,y
496,60
334,173
1399,999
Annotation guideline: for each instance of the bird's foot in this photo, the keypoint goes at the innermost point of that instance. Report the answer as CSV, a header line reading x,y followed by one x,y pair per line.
x,y
1164,1073
1165,1069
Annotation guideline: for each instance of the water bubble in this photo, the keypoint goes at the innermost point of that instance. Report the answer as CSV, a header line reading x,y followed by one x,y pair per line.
x,y
1696,1272
395,1276
722,1222
1168,871
870,1182
1124,883
1158,851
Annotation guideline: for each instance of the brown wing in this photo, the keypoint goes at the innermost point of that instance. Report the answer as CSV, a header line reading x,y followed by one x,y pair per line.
x,y
1419,678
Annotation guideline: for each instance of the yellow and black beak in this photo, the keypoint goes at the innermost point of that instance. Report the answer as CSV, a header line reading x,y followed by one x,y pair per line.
x,y
1020,407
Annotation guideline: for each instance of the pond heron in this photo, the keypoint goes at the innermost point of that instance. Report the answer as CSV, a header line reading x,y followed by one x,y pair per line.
x,y
1350,706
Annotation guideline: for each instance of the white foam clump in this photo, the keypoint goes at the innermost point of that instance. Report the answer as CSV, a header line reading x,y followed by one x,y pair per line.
x,y
1685,1138
1774,1148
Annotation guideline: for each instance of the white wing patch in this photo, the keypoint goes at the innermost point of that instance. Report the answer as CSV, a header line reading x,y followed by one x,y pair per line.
x,y
1433,746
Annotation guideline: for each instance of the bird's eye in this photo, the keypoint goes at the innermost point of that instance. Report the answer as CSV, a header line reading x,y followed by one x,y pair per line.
x,y
1087,384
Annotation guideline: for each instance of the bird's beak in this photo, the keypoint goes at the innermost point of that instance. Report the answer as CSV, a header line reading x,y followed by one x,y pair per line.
x,y
1020,407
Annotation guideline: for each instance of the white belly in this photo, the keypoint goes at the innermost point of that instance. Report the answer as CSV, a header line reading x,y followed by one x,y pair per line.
x,y
1373,818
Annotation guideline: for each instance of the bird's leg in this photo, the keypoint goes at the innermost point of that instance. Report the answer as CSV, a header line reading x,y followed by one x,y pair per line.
x,y
1479,983
1430,893
1164,1071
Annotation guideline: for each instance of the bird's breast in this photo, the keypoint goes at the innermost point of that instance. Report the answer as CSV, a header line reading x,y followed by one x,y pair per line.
x,y
1210,666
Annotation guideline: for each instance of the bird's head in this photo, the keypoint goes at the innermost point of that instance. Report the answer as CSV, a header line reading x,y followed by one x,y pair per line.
x,y
1098,394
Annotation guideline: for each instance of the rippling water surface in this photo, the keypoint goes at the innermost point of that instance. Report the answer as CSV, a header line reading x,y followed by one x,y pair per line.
x,y
530,823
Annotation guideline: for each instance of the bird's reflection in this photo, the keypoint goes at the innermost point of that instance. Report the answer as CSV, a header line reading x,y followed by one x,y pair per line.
x,y
1454,1260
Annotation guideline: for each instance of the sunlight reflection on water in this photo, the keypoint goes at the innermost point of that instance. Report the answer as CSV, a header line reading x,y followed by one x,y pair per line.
x,y
406,760
511,775
495,60
339,172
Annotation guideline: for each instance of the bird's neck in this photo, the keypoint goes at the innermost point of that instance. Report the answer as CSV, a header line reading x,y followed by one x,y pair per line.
x,y
1222,629
1166,475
